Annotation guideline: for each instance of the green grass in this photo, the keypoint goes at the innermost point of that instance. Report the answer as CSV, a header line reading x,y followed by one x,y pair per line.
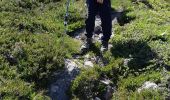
x,y
144,37
33,46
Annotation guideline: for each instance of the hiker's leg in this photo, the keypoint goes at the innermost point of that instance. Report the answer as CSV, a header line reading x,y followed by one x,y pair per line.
x,y
105,14
90,21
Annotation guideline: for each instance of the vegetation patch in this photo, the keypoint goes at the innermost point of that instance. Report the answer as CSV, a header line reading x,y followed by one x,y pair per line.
x,y
33,46
140,53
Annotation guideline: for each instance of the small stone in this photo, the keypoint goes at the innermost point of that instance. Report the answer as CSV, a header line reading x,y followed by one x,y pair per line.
x,y
93,59
110,46
126,61
164,33
87,56
88,63
148,85
70,65
97,98
100,36
97,21
106,81
112,35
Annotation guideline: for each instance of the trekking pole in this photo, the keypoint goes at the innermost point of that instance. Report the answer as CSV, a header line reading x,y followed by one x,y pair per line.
x,y
65,24
66,16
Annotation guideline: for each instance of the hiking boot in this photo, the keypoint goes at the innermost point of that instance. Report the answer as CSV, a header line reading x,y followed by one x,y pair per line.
x,y
104,46
85,47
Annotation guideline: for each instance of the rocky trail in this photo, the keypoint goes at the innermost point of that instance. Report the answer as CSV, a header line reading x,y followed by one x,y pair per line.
x,y
58,89
60,86
40,56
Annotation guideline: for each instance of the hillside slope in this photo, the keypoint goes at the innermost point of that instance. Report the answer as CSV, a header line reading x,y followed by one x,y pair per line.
x,y
140,55
33,47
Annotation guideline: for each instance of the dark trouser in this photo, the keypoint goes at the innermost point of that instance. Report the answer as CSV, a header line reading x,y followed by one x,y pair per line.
x,y
104,10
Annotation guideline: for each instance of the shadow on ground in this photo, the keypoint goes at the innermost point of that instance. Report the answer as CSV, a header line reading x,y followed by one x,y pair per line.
x,y
145,2
139,53
121,17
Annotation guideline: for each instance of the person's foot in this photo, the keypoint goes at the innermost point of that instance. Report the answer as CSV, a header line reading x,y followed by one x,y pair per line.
x,y
85,47
104,46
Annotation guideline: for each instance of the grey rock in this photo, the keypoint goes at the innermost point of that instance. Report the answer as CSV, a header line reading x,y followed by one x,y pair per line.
x,y
100,36
88,63
87,56
97,98
106,81
148,85
98,28
126,61
98,21
110,46
63,80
